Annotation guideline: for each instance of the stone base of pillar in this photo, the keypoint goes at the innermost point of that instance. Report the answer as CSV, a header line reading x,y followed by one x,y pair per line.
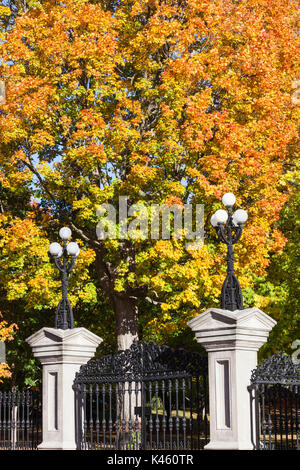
x,y
55,446
61,353
232,340
232,445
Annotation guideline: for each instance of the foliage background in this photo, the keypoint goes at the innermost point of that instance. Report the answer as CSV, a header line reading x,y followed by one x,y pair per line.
x,y
240,135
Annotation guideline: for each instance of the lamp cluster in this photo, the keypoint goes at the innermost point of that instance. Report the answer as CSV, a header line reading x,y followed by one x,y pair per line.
x,y
239,217
55,249
64,258
229,227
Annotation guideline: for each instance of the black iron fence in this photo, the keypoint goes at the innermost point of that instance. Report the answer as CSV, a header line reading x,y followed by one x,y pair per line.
x,y
147,397
20,419
275,394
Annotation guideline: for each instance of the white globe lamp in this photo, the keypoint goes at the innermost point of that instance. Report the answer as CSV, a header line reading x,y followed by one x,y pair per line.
x,y
73,249
228,200
65,233
55,249
239,217
220,217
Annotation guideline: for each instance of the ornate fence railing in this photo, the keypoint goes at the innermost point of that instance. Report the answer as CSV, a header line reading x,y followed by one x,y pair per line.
x,y
275,391
20,419
147,397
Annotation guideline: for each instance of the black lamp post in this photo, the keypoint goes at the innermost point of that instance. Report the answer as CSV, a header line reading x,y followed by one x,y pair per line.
x,y
64,259
231,295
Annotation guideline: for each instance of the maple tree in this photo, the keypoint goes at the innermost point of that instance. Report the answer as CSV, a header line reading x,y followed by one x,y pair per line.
x,y
166,103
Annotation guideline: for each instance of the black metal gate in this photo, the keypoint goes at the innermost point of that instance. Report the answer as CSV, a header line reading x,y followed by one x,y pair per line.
x,y
20,419
146,397
275,390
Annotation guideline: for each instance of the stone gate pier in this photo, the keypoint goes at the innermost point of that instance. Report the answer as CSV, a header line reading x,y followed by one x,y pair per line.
x,y
232,340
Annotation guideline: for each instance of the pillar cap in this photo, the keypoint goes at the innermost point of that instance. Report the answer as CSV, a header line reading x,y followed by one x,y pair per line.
x,y
218,329
76,345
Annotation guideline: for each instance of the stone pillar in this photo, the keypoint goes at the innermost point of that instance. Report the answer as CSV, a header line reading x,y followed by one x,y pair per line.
x,y
61,353
232,340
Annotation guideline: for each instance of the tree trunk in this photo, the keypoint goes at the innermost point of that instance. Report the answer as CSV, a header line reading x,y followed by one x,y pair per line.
x,y
123,303
126,314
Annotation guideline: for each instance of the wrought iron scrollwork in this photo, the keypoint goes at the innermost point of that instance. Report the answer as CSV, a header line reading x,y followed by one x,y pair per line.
x,y
278,369
274,390
142,360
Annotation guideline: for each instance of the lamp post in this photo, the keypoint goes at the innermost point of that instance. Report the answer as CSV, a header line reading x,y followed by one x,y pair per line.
x,y
64,259
229,227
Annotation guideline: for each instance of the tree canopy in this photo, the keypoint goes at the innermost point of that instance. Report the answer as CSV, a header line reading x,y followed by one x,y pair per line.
x,y
164,103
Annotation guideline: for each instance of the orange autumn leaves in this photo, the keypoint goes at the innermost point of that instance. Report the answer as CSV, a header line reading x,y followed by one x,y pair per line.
x,y
62,33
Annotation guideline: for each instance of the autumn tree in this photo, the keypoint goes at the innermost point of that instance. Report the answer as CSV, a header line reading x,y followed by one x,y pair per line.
x,y
165,103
